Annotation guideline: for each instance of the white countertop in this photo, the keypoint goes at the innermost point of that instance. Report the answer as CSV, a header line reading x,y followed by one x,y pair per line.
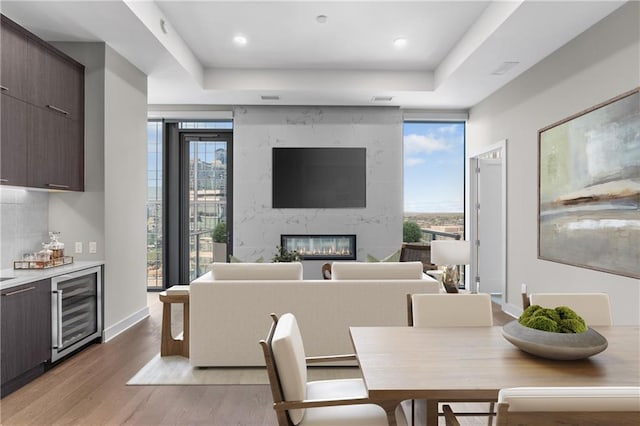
x,y
25,276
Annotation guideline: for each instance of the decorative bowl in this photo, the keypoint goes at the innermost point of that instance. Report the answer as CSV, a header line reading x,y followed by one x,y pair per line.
x,y
562,346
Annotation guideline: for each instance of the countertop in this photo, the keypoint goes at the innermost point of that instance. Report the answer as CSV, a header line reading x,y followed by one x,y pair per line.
x,y
25,276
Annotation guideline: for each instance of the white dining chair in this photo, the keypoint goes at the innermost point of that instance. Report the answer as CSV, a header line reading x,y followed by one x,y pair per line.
x,y
449,310
619,405
594,308
317,403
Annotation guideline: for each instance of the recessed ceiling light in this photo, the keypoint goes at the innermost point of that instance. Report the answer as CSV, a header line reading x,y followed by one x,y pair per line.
x,y
382,98
321,19
270,97
400,42
504,67
240,40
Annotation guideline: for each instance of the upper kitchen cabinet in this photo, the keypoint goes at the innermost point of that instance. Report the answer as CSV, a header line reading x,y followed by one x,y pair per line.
x,y
13,60
42,144
13,141
57,81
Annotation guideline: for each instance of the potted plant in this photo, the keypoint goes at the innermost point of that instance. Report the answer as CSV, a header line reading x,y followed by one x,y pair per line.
x,y
284,255
220,242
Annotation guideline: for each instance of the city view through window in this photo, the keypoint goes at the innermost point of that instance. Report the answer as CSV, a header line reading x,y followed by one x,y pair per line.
x,y
434,178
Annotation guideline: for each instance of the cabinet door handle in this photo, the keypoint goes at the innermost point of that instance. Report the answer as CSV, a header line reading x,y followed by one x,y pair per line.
x,y
4,88
58,293
13,293
4,180
56,185
56,109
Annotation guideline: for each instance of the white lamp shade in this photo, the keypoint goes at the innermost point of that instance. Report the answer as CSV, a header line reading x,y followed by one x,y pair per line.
x,y
450,252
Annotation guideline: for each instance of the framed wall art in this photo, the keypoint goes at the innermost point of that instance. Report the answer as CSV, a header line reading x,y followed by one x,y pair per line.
x,y
589,188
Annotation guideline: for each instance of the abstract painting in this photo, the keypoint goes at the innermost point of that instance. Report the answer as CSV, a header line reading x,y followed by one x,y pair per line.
x,y
589,188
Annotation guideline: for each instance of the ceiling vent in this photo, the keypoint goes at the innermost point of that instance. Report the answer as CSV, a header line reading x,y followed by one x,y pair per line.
x,y
504,67
382,98
270,97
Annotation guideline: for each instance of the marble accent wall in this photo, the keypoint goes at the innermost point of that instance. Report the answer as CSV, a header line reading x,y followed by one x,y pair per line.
x,y
24,223
257,226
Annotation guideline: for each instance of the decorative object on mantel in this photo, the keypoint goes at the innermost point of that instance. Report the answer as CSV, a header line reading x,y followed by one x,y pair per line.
x,y
589,188
557,333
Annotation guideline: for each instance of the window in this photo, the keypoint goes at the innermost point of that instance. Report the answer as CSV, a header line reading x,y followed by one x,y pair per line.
x,y
154,205
434,160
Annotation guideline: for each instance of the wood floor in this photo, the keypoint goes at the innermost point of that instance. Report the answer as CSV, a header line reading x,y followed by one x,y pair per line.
x,y
90,389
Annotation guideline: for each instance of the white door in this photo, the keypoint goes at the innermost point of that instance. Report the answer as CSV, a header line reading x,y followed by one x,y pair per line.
x,y
490,239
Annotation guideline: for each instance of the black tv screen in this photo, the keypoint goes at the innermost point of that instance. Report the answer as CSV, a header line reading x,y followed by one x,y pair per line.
x,y
319,177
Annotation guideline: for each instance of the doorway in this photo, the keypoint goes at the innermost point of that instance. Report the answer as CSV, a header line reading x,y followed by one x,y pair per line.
x,y
488,221
205,201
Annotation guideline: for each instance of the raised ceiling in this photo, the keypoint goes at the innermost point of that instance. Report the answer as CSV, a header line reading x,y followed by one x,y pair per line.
x,y
451,59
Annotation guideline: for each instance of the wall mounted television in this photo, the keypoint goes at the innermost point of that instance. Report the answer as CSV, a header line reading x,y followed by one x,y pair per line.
x,y
319,178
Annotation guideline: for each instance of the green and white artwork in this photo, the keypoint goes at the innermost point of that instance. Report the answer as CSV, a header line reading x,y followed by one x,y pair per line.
x,y
589,188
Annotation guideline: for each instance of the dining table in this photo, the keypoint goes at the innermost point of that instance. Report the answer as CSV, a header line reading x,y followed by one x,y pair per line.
x,y
472,364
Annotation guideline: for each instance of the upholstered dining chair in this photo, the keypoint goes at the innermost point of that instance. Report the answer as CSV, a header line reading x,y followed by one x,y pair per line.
x,y
316,403
594,308
449,310
564,406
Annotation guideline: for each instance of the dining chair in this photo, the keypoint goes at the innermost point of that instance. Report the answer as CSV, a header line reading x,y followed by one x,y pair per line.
x,y
449,310
564,405
316,403
594,308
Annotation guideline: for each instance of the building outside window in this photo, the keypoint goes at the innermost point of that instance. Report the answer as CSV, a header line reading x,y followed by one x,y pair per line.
x,y
154,205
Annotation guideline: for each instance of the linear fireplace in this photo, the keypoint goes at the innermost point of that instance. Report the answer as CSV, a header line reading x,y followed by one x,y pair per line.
x,y
321,247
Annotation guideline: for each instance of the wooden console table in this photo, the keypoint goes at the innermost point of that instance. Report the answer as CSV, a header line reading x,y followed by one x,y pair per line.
x,y
169,345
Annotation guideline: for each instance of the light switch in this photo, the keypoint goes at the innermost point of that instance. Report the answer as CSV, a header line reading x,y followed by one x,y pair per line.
x,y
78,246
92,247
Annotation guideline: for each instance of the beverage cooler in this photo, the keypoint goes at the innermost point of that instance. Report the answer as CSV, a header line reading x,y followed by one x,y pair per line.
x,y
76,310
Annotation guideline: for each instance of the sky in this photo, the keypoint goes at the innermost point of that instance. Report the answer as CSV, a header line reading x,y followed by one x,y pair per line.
x,y
434,167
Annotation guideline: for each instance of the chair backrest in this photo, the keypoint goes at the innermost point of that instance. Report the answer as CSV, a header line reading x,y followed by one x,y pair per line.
x,y
449,310
411,252
594,308
286,365
569,405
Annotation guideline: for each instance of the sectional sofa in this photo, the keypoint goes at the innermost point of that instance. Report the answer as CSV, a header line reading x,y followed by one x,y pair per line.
x,y
230,306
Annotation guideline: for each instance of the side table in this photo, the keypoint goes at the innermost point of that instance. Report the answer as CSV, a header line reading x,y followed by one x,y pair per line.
x,y
169,345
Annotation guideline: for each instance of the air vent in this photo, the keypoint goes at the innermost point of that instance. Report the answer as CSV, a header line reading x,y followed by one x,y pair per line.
x,y
270,97
504,67
382,98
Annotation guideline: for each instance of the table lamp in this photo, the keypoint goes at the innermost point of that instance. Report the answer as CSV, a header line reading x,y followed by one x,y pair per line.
x,y
450,254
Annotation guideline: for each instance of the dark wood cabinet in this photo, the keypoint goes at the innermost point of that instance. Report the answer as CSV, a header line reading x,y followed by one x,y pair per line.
x,y
25,327
13,141
55,151
13,61
57,83
42,143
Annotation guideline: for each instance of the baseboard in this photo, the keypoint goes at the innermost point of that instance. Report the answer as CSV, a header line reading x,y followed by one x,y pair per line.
x,y
125,324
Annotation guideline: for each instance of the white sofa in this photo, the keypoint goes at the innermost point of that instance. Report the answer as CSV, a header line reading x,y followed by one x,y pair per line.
x,y
230,306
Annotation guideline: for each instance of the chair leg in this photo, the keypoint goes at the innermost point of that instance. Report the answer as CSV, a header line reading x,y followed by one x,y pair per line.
x,y
492,412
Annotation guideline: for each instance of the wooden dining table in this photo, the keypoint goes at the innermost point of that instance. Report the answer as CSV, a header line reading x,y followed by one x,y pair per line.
x,y
473,363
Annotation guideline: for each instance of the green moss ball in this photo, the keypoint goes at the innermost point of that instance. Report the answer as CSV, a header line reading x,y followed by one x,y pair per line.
x,y
540,322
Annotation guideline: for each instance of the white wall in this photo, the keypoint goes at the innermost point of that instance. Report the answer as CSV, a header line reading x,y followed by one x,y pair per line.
x,y
111,210
257,227
125,159
596,66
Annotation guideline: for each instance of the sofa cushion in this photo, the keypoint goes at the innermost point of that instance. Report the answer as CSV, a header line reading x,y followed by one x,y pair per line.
x,y
376,271
256,271
289,356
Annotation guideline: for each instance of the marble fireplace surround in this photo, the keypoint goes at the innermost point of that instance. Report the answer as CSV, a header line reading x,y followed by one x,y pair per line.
x,y
258,226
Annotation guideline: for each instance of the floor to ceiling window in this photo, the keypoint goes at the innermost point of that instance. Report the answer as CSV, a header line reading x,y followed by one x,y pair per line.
x,y
434,167
154,205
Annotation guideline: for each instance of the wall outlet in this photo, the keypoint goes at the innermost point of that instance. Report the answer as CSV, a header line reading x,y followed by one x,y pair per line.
x,y
92,247
78,247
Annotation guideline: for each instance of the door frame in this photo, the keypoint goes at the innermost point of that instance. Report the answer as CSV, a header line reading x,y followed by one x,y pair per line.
x,y
473,212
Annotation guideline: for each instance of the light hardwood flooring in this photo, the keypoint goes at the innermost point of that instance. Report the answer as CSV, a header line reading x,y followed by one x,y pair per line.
x,y
90,389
